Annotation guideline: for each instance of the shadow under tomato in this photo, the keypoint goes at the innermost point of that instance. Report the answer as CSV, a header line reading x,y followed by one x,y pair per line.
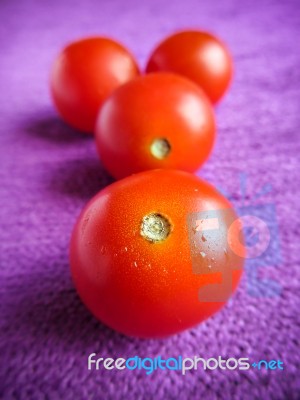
x,y
47,311
74,168
48,126
56,315
82,177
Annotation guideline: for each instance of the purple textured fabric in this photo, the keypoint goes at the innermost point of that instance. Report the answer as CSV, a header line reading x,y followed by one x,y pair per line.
x,y
49,171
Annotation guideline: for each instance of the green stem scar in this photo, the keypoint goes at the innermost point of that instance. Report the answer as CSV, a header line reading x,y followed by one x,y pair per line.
x,y
160,148
155,227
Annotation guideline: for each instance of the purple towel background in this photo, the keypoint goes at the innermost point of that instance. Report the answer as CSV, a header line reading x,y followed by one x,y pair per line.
x,y
49,171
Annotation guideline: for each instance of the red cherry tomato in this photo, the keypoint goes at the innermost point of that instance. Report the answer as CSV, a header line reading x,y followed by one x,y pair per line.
x,y
199,56
155,121
139,258
84,74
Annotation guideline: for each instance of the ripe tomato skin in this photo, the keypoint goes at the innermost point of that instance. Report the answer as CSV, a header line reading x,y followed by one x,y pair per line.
x,y
151,108
84,74
138,287
199,56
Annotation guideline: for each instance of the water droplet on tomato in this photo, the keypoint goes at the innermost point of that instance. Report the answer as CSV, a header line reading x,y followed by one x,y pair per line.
x,y
102,250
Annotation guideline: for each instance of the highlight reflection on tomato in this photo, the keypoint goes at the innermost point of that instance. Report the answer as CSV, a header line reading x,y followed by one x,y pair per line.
x,y
155,121
199,56
131,255
84,74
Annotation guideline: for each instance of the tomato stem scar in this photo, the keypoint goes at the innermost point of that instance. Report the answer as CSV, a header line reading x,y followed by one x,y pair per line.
x,y
155,227
160,148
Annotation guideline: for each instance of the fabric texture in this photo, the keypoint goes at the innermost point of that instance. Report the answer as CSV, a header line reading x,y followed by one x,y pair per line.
x,y
49,171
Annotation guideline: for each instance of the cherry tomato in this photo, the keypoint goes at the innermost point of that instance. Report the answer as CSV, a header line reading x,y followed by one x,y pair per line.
x,y
155,121
199,56
139,258
84,74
